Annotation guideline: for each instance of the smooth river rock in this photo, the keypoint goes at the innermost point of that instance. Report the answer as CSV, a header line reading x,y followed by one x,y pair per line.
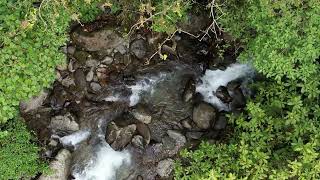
x,y
204,115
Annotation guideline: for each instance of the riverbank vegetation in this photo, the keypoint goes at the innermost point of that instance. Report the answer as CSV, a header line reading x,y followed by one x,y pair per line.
x,y
277,137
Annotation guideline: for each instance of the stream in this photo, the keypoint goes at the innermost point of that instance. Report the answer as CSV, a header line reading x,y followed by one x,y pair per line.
x,y
110,117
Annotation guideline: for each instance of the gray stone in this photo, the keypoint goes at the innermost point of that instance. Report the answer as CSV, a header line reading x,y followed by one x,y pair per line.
x,y
186,123
62,67
53,143
142,114
124,137
33,103
62,124
59,167
204,115
107,60
144,131
67,81
98,40
92,63
189,91
89,76
139,48
165,167
137,141
71,50
177,136
221,123
223,94
194,135
112,132
95,86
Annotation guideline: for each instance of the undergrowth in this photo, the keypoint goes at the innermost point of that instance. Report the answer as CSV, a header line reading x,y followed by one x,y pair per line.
x,y
278,136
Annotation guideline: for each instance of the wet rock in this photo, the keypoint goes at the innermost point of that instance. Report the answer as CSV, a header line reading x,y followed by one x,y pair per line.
x,y
158,130
112,132
53,143
67,82
107,60
221,122
177,136
98,40
186,123
139,177
102,72
71,67
95,86
124,137
62,67
239,100
92,63
59,97
165,167
80,80
59,167
138,141
71,50
34,102
232,85
204,115
63,124
81,57
194,135
196,22
127,60
89,76
144,131
142,114
38,121
223,94
189,91
122,49
139,48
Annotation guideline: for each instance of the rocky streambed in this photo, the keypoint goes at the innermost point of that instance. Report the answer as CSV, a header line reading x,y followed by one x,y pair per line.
x,y
113,113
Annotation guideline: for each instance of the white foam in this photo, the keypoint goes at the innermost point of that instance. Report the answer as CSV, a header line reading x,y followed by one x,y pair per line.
x,y
105,165
113,98
75,138
143,86
215,78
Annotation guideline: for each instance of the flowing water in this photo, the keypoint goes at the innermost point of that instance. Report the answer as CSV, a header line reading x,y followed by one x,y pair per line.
x,y
160,87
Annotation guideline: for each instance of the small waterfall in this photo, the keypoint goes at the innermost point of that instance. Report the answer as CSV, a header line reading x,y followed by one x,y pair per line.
x,y
103,165
212,79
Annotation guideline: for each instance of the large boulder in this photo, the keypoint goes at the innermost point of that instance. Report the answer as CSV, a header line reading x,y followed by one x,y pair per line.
x,y
99,40
165,167
59,167
34,102
204,115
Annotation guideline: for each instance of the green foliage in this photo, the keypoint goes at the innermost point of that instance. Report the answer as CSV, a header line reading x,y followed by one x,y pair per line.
x,y
276,139
168,13
162,14
282,38
18,154
30,39
278,136
29,46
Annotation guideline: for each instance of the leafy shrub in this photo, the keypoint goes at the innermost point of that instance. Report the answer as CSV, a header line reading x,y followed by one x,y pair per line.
x,y
30,38
278,136
18,154
162,14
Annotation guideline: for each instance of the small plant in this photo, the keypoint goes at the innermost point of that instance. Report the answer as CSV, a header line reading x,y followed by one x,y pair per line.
x,y
19,153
